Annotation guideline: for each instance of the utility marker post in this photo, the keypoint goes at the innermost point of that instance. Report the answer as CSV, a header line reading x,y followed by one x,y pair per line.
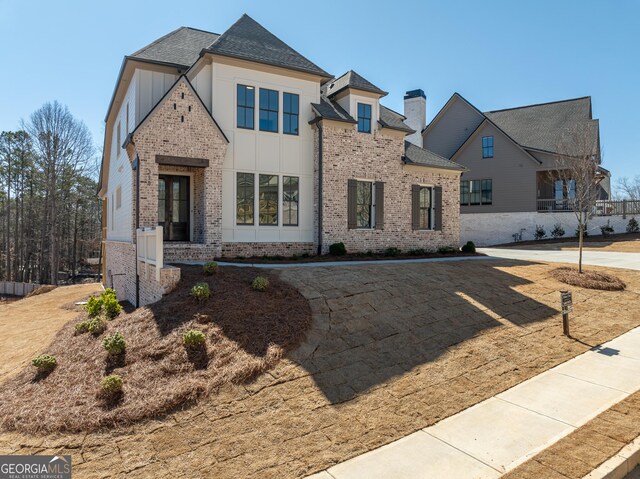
x,y
567,306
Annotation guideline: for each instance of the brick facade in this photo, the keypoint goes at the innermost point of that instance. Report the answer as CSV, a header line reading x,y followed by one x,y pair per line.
x,y
233,250
348,154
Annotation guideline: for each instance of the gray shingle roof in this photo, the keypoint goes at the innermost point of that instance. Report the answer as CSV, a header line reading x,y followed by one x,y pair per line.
x,y
394,120
330,110
352,80
542,126
419,156
249,40
180,47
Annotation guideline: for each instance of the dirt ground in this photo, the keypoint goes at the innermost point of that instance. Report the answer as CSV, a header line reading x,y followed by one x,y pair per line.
x,y
579,453
28,326
392,349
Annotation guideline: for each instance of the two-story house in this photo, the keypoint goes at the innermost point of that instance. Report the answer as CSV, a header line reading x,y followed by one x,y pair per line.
x,y
511,155
237,145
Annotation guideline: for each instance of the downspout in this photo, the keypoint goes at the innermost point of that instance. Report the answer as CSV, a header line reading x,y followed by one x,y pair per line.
x,y
320,141
136,167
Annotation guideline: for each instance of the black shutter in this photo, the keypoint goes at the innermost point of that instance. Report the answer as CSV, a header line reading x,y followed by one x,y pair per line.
x,y
352,191
437,203
415,207
379,205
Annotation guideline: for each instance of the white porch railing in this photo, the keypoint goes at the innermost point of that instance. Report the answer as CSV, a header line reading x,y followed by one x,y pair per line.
x,y
150,249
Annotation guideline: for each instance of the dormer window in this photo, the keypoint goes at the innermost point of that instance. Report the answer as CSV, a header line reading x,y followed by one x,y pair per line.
x,y
364,118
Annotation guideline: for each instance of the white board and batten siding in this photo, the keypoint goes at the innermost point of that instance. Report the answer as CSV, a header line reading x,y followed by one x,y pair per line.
x,y
255,151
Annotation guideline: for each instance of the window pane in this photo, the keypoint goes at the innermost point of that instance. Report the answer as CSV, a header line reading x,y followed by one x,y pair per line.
x,y
268,200
363,204
244,198
487,192
290,113
290,200
364,118
268,110
245,106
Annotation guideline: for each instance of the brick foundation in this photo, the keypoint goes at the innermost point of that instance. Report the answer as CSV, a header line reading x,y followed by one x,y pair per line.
x,y
232,250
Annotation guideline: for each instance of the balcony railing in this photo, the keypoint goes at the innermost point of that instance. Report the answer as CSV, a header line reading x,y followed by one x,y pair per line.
x,y
602,207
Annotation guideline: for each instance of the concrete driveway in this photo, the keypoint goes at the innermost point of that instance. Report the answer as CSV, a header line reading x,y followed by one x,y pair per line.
x,y
611,259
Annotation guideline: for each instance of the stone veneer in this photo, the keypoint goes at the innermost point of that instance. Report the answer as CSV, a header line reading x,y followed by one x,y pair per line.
x,y
348,154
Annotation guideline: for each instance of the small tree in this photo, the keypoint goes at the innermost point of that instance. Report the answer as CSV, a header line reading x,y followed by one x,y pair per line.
x,y
577,162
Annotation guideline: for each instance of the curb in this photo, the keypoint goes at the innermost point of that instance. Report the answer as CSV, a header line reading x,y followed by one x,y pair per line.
x,y
619,465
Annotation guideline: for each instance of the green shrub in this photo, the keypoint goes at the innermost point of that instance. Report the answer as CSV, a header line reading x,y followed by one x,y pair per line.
x,y
392,251
557,231
114,344
109,292
210,268
606,230
111,385
93,306
539,233
193,338
111,306
45,363
337,249
469,247
200,291
632,226
96,326
446,250
82,326
260,283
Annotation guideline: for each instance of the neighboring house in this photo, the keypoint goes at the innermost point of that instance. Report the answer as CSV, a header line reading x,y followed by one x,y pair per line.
x,y
237,145
511,157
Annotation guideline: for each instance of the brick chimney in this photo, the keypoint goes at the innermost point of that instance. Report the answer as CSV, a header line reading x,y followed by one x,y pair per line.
x,y
415,109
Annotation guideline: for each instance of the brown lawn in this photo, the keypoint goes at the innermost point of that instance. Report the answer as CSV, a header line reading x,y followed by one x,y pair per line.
x,y
28,326
392,349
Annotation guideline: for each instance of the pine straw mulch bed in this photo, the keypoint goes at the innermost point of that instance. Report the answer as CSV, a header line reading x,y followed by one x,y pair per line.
x,y
588,279
247,332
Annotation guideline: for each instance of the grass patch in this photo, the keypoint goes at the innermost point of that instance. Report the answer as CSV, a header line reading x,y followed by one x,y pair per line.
x,y
247,332
588,279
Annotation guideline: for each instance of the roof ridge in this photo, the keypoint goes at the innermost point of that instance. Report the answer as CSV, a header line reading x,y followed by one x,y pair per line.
x,y
539,104
202,30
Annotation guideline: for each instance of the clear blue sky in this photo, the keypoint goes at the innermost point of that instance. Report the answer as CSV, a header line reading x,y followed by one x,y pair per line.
x,y
497,54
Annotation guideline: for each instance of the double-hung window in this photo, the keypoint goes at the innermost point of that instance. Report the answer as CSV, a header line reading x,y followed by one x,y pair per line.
x,y
268,200
290,113
364,118
246,97
269,110
476,192
290,199
487,147
244,198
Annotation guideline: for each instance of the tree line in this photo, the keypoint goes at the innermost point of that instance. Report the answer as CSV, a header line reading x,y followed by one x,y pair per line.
x,y
50,216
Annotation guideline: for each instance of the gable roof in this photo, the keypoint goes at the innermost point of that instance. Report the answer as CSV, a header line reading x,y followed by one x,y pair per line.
x,y
542,126
415,155
180,47
248,40
181,78
353,80
393,120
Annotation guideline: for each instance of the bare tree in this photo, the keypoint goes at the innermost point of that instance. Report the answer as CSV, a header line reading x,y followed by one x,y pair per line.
x,y
577,165
64,151
629,188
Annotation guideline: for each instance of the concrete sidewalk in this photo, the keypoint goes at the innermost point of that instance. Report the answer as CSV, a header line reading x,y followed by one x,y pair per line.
x,y
496,435
610,259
